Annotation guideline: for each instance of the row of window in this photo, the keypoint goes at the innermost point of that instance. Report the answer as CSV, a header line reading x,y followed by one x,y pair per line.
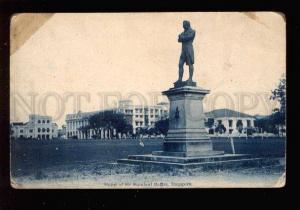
x,y
141,116
128,111
43,136
230,122
43,121
137,123
151,110
76,124
43,130
39,130
38,137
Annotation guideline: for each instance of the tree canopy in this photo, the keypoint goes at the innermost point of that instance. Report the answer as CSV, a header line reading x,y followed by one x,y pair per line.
x,y
279,94
270,123
162,126
110,120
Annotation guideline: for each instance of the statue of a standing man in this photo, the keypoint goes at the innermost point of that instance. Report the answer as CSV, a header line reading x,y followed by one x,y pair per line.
x,y
187,51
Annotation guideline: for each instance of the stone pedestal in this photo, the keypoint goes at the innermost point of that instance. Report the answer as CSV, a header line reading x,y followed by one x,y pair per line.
x,y
187,135
187,144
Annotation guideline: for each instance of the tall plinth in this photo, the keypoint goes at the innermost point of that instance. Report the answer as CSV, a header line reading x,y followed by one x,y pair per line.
x,y
187,144
187,136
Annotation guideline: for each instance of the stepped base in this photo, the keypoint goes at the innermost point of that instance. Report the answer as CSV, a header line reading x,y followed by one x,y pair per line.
x,y
203,162
188,154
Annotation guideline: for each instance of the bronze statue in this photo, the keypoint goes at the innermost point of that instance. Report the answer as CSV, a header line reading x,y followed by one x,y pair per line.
x,y
187,51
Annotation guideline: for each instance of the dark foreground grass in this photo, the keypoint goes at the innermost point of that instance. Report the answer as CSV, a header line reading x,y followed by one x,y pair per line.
x,y
32,157
92,164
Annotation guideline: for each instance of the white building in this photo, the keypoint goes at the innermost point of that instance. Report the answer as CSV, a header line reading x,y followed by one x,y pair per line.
x,y
38,127
76,121
230,119
17,130
143,116
137,116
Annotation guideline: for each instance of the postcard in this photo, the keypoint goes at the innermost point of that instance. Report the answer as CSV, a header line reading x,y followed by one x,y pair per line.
x,y
148,100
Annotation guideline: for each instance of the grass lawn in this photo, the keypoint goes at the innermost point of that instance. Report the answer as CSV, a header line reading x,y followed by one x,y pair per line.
x,y
92,164
30,156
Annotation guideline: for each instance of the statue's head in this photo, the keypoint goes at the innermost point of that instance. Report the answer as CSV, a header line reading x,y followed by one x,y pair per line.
x,y
186,24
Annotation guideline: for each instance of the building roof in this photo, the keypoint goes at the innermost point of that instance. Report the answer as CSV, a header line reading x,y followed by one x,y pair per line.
x,y
39,116
81,115
219,113
163,103
17,123
84,113
258,117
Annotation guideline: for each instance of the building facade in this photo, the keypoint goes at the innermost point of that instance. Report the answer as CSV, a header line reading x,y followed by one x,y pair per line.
x,y
38,127
143,116
74,123
232,120
137,116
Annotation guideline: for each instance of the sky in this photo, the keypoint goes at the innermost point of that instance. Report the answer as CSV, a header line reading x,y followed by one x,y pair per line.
x,y
239,57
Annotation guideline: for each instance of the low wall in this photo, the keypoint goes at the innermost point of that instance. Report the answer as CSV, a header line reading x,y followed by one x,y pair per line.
x,y
271,146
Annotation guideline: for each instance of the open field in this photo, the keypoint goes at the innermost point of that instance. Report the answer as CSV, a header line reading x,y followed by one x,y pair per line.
x,y
31,156
91,164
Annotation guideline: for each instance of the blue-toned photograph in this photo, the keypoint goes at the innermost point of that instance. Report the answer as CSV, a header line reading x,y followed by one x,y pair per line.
x,y
148,100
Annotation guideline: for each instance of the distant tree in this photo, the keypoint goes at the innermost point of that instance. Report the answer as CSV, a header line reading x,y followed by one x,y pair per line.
x,y
278,118
250,131
118,121
151,131
162,126
266,125
142,131
262,124
279,94
96,123
109,120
